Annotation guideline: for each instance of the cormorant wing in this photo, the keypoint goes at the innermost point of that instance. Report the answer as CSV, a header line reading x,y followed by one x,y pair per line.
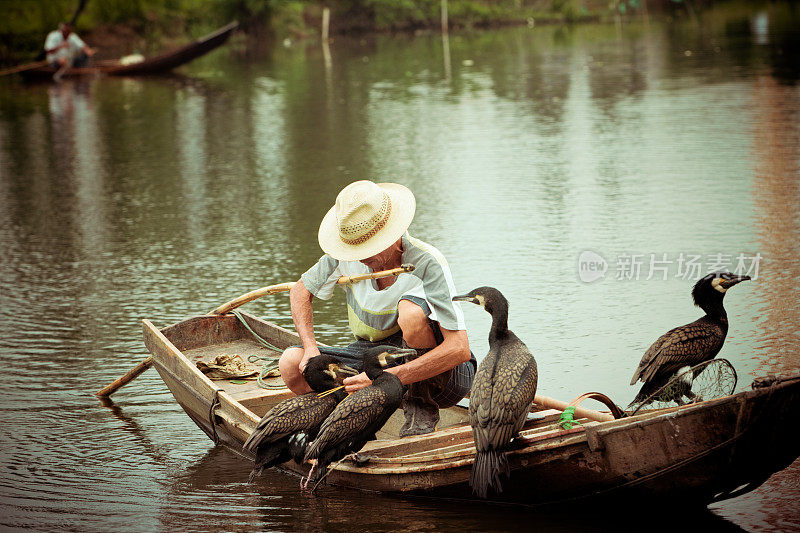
x,y
682,346
290,416
499,404
352,417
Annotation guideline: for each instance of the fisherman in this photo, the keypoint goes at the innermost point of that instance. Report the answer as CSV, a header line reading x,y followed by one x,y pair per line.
x,y
65,49
366,231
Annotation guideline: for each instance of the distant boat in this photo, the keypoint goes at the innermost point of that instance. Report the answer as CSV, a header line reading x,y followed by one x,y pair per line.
x,y
701,452
151,65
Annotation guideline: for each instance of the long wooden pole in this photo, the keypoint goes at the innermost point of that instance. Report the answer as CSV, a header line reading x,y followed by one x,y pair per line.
x,y
23,68
284,287
132,374
236,302
326,21
580,412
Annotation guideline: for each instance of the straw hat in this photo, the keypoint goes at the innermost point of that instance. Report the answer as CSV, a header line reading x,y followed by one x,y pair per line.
x,y
366,219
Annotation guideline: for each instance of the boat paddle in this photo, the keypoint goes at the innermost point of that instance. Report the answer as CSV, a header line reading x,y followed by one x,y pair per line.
x,y
243,299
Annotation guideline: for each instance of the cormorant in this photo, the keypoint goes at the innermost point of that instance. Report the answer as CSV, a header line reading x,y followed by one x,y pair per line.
x,y
359,416
501,395
683,347
285,430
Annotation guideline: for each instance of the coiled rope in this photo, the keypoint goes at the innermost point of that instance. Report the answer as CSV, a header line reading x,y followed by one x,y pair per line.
x,y
269,363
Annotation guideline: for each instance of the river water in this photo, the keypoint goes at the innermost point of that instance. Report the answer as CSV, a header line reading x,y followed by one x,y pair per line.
x,y
659,151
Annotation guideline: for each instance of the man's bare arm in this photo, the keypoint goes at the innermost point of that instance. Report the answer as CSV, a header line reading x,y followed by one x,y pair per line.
x,y
303,317
453,351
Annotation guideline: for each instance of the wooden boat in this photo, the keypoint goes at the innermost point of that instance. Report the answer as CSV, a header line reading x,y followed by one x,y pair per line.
x,y
151,65
703,452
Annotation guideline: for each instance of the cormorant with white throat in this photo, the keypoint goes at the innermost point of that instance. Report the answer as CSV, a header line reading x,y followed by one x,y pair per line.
x,y
683,347
502,393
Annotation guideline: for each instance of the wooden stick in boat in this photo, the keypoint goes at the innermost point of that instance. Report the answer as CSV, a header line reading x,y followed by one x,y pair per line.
x,y
110,389
284,287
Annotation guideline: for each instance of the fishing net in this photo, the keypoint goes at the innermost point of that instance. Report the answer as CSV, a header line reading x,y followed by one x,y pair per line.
x,y
712,379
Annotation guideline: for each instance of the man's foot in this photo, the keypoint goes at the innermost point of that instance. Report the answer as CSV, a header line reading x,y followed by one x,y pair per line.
x,y
421,417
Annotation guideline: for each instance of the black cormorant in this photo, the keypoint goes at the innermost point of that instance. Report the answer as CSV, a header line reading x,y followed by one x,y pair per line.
x,y
681,348
285,430
359,416
501,395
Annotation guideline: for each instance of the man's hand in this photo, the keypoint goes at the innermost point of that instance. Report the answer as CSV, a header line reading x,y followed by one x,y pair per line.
x,y
356,382
308,353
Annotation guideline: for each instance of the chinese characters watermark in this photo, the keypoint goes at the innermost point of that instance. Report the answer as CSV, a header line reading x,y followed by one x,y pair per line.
x,y
661,266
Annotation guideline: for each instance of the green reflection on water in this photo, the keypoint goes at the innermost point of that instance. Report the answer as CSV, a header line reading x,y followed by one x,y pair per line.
x,y
161,198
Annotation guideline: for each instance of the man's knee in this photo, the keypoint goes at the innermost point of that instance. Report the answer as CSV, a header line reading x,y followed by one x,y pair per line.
x,y
289,366
415,326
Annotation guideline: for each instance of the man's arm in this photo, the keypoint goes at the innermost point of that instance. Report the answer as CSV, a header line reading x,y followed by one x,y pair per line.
x,y
453,351
303,316
80,45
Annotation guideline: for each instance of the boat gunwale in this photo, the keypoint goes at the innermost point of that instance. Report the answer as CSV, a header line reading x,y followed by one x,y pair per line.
x,y
569,442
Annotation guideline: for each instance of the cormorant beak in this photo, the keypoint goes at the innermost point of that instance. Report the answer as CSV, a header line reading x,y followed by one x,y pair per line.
x,y
388,357
466,298
340,370
728,283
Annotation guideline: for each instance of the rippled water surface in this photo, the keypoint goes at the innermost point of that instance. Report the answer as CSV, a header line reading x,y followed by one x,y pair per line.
x,y
160,198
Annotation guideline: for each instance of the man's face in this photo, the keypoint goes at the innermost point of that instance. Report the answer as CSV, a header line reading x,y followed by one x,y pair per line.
x,y
65,30
387,257
377,261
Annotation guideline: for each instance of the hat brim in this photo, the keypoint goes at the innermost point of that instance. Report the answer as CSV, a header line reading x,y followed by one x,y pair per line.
x,y
403,207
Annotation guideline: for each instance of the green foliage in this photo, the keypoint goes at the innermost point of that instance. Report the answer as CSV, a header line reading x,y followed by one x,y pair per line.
x,y
398,13
568,8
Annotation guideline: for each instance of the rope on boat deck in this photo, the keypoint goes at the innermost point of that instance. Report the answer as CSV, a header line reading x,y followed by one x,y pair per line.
x,y
568,418
212,418
269,367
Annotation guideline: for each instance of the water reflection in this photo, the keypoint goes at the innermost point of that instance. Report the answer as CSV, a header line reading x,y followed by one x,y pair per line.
x,y
777,193
163,198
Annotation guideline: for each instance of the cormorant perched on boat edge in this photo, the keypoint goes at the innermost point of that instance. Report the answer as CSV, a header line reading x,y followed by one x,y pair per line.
x,y
286,429
501,395
359,416
681,348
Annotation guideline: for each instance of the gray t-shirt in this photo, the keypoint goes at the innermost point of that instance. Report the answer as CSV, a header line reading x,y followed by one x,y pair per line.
x,y
372,313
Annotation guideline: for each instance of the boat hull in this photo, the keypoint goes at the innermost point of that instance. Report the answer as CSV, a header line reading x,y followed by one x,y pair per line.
x,y
152,65
702,452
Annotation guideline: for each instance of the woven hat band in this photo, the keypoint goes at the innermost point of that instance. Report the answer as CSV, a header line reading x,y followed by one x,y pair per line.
x,y
359,233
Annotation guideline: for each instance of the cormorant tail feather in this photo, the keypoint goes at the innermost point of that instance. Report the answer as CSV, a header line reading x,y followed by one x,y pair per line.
x,y
486,472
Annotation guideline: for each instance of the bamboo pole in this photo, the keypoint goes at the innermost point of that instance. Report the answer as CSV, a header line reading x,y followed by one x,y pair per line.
x,y
326,20
284,287
132,374
580,412
23,68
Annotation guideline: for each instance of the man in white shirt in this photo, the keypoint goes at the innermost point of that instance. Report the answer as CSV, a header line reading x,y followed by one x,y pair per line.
x,y
65,48
366,231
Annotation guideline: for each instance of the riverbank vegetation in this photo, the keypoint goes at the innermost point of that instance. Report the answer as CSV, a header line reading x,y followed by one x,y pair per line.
x,y
126,26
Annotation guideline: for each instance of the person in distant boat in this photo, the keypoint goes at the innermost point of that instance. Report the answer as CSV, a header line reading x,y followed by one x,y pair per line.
x,y
366,231
65,48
